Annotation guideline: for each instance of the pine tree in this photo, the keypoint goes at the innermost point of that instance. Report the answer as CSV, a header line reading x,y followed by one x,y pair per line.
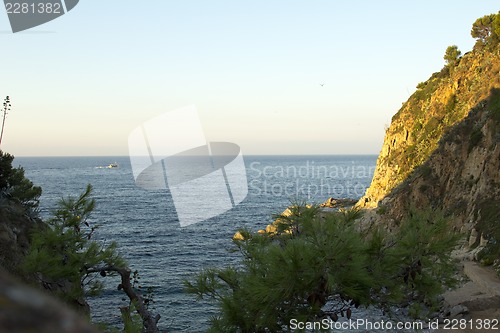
x,y
452,54
486,30
324,265
68,261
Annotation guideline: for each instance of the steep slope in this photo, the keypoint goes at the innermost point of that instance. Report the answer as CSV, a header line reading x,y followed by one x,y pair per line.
x,y
439,104
442,150
461,177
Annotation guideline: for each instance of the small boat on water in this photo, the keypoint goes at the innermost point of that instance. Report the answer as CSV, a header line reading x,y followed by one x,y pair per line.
x,y
109,166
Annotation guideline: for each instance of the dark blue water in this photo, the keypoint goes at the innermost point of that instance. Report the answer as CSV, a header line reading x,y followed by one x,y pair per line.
x,y
145,225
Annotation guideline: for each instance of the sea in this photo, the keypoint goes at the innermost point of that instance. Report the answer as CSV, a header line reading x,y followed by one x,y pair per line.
x,y
145,223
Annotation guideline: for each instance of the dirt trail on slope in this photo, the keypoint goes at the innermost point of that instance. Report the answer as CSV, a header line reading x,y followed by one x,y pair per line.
x,y
481,296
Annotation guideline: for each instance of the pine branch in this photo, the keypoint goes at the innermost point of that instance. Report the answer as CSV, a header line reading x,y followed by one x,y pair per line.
x,y
149,322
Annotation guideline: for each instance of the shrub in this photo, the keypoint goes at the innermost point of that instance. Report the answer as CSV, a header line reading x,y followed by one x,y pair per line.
x,y
15,186
475,138
452,54
494,105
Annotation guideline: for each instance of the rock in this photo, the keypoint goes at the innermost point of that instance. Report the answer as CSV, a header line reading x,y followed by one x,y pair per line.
x,y
329,203
338,203
287,212
24,309
271,229
434,315
483,241
238,236
475,254
472,238
458,310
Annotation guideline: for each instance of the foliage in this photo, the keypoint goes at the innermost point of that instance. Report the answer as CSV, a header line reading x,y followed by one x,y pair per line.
x,y
423,246
381,210
425,171
494,105
450,106
427,88
15,186
322,265
63,252
452,54
490,228
421,85
486,30
475,137
68,262
496,24
132,322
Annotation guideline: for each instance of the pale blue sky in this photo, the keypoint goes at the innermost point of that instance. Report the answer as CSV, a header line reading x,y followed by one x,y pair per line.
x,y
81,83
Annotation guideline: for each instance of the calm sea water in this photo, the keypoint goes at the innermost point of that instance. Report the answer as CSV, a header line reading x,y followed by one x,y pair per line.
x,y
145,225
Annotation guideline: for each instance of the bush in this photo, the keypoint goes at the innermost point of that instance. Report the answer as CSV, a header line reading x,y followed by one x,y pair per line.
x,y
475,138
15,186
494,105
452,54
490,228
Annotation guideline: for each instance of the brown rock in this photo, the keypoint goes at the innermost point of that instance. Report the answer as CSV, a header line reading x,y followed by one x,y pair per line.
x,y
24,309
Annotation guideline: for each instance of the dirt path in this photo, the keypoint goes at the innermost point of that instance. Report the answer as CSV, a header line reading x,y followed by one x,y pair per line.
x,y
481,296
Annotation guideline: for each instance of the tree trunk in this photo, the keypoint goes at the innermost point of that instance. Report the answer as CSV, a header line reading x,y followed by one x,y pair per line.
x,y
149,323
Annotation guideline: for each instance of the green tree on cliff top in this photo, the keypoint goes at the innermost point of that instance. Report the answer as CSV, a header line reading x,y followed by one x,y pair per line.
x,y
486,30
452,54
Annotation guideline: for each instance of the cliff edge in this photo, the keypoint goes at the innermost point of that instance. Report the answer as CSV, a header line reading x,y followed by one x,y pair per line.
x,y
442,151
439,104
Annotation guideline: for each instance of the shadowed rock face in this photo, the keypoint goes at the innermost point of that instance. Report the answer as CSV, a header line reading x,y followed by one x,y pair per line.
x,y
24,309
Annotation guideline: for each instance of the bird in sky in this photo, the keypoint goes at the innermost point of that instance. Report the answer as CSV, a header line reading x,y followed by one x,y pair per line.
x,y
322,84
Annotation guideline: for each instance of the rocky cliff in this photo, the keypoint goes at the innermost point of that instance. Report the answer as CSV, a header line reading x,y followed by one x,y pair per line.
x,y
438,105
442,151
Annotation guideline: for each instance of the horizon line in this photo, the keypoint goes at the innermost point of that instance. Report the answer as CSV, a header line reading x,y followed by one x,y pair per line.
x,y
249,155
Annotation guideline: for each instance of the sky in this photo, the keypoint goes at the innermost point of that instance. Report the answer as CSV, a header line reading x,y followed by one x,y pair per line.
x,y
81,83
